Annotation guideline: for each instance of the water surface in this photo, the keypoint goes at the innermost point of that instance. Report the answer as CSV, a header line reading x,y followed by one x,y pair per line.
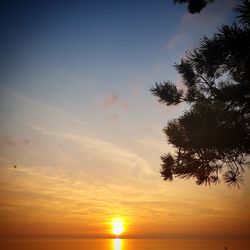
x,y
124,244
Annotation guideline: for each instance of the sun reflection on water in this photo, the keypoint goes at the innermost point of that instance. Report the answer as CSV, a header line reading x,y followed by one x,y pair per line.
x,y
117,244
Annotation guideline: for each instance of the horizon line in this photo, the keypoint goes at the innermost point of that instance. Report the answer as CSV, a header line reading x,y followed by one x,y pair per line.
x,y
144,237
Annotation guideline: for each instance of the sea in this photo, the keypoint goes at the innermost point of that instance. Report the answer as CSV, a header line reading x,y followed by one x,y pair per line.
x,y
123,244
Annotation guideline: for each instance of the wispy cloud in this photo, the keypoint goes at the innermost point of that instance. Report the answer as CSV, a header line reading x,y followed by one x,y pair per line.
x,y
176,40
57,131
198,25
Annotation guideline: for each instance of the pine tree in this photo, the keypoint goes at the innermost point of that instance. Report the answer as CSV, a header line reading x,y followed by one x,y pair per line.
x,y
194,6
211,138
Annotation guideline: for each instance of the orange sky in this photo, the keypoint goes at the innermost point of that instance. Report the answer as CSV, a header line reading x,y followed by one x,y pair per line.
x,y
73,183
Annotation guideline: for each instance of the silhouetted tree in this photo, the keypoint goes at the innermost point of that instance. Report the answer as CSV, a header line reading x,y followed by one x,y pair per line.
x,y
212,138
194,6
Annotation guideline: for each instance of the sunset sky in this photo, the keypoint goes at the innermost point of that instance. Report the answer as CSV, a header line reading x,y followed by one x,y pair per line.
x,y
83,130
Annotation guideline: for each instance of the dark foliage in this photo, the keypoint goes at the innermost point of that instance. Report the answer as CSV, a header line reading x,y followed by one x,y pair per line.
x,y
212,138
194,6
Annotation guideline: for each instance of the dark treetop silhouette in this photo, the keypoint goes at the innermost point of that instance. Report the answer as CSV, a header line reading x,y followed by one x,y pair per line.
x,y
212,138
194,6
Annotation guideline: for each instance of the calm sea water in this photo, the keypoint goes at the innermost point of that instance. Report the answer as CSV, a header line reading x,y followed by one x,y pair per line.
x,y
124,244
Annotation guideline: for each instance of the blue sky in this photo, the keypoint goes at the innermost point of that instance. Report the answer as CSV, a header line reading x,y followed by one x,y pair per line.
x,y
74,54
78,120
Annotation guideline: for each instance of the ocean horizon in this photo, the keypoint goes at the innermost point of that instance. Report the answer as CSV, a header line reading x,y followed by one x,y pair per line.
x,y
123,244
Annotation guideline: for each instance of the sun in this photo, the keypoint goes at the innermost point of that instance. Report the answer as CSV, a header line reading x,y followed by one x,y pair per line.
x,y
117,226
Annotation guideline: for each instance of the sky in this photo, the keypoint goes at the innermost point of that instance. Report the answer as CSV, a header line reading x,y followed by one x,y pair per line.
x,y
83,130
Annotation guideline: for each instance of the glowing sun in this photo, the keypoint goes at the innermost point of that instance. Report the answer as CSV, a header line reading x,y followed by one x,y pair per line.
x,y
117,226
